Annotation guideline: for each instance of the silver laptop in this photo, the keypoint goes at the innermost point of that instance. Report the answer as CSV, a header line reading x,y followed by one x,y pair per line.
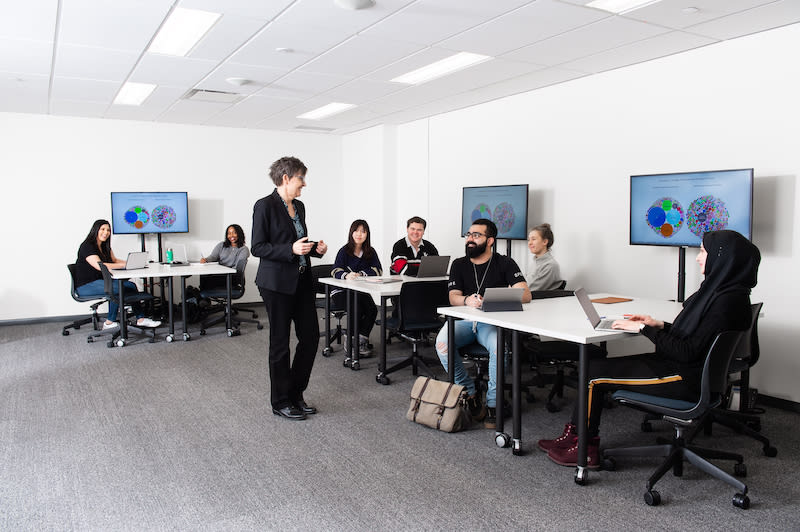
x,y
136,260
598,323
179,255
433,266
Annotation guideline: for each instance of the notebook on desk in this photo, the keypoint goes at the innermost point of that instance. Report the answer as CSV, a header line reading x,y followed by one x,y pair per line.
x,y
136,261
433,266
598,323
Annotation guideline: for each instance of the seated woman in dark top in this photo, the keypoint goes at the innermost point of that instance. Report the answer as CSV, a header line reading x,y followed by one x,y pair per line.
x,y
358,258
96,248
722,303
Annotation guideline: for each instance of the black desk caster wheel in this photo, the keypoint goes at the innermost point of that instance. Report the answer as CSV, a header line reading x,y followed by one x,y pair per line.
x,y
259,326
66,333
169,338
89,340
741,500
516,448
380,378
355,365
501,439
327,351
186,337
770,451
580,476
346,362
202,332
652,498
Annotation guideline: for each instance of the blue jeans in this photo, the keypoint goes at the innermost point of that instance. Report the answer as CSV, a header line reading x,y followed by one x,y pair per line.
x,y
97,288
486,335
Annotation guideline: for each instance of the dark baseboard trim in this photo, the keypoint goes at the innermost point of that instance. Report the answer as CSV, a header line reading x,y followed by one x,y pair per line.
x,y
51,319
775,402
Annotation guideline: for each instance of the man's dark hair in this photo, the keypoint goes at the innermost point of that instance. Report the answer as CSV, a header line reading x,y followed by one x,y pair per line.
x,y
286,165
416,220
491,228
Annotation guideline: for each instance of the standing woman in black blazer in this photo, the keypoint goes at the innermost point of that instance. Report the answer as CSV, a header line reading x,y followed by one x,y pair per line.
x,y
280,241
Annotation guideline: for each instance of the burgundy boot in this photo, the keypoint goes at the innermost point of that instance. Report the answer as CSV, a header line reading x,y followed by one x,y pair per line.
x,y
569,456
565,441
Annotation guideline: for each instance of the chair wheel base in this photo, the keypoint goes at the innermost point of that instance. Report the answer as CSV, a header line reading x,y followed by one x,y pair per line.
x,y
652,498
741,500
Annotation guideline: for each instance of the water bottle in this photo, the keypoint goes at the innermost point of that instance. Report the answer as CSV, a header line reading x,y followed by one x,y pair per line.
x,y
169,255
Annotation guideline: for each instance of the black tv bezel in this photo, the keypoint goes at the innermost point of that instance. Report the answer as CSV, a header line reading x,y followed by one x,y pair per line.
x,y
113,228
527,191
749,236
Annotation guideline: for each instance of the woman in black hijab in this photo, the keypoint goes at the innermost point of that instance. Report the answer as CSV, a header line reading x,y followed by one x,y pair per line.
x,y
722,303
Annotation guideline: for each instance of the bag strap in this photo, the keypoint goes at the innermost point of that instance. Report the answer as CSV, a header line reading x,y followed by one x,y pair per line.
x,y
441,406
419,398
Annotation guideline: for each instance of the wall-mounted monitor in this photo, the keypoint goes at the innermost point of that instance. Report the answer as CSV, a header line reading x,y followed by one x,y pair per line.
x,y
149,212
677,209
505,205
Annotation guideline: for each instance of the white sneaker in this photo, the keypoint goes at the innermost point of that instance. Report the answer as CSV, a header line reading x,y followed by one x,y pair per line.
x,y
147,322
110,325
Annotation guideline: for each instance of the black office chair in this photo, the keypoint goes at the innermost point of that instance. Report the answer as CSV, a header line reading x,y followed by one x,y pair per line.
x,y
219,298
321,271
417,318
94,318
685,415
746,420
141,297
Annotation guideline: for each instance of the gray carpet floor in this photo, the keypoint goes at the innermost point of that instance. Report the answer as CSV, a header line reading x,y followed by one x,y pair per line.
x,y
180,436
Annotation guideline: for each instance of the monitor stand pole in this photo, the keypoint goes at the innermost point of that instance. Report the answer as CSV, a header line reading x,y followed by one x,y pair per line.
x,y
681,273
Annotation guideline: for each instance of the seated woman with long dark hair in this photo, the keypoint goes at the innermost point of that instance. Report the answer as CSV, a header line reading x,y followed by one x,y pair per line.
x,y
96,248
722,303
231,252
358,258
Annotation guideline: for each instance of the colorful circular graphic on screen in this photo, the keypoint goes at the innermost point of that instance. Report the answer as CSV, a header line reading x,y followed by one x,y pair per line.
x,y
481,211
504,217
164,216
665,217
137,217
707,213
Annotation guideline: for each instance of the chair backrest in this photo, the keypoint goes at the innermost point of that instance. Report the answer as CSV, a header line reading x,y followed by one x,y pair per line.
x,y
547,294
562,285
748,348
419,301
73,290
715,370
318,272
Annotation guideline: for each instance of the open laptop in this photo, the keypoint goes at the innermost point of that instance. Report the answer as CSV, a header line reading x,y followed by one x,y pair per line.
x,y
136,260
433,266
179,255
598,323
502,299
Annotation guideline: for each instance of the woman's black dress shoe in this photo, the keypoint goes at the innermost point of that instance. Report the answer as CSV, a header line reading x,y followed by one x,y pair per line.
x,y
289,412
305,407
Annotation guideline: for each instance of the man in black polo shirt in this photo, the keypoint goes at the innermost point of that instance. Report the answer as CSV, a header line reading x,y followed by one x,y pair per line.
x,y
470,276
407,252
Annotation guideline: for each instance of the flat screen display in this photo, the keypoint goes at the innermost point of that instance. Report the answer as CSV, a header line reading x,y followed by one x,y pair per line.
x,y
505,205
149,212
677,209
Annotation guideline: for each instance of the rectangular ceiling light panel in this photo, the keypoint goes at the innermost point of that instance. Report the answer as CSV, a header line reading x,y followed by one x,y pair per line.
x,y
620,6
134,93
326,111
182,31
441,68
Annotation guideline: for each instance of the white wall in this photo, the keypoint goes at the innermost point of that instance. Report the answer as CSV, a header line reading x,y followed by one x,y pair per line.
x,y
57,173
731,105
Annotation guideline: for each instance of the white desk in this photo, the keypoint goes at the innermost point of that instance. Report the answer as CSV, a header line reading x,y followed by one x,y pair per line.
x,y
379,291
560,318
159,271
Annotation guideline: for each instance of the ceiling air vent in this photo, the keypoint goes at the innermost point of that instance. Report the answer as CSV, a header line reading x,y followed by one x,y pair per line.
x,y
200,95
314,128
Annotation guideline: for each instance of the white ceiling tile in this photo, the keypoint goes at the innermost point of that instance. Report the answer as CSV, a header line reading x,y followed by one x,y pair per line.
x,y
169,70
629,54
189,112
28,94
227,35
120,24
670,12
75,61
597,37
430,21
78,108
84,90
157,103
29,57
761,18
362,90
243,8
305,84
250,112
303,44
526,25
529,82
310,15
360,55
259,78
33,20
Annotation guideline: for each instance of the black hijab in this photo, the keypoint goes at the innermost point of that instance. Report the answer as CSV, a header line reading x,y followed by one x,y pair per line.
x,y
731,267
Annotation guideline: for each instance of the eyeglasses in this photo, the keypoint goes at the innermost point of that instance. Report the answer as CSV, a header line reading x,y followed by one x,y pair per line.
x,y
473,235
